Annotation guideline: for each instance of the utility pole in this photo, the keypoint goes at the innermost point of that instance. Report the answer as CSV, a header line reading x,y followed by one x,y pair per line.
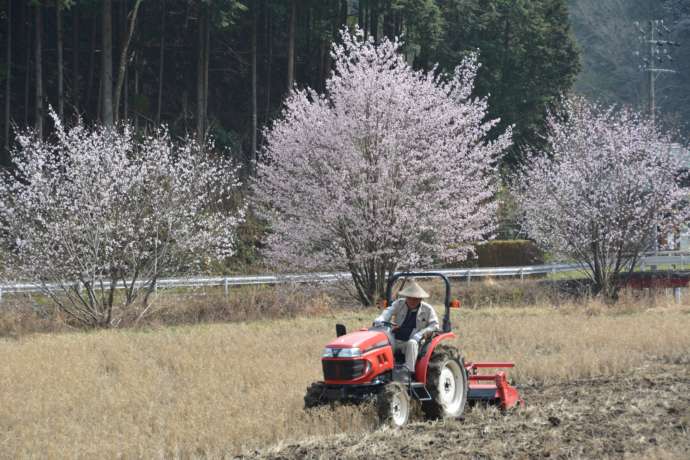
x,y
657,53
652,71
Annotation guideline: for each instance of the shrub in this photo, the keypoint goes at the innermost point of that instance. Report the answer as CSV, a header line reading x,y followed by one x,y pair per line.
x,y
509,253
504,253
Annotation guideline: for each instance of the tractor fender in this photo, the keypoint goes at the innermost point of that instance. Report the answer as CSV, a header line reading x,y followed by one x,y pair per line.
x,y
423,362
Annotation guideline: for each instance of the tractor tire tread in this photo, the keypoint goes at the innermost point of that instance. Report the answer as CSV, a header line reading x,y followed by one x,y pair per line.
x,y
441,354
384,398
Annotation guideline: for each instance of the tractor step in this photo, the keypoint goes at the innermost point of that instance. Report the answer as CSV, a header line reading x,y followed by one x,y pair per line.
x,y
419,391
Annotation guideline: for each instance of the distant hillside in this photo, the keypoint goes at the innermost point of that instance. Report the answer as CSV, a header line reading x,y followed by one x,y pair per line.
x,y
608,39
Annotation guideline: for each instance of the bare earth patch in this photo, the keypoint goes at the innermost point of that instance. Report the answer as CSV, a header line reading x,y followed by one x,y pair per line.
x,y
643,413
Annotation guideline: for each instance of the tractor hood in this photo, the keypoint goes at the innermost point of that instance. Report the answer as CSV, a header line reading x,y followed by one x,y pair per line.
x,y
364,340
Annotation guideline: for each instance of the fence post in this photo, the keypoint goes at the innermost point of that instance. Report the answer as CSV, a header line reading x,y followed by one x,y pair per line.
x,y
469,278
0,295
522,274
225,287
676,294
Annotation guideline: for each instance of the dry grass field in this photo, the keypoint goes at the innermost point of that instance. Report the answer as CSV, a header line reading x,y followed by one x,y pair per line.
x,y
213,390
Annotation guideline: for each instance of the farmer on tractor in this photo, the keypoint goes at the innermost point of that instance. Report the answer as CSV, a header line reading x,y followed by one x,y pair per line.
x,y
415,321
363,365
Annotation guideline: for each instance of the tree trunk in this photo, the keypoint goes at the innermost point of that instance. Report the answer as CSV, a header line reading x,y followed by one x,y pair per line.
x,y
92,69
360,14
136,94
38,112
75,59
207,60
161,67
269,58
364,16
125,99
8,89
107,63
60,64
364,291
201,59
122,18
189,72
388,21
373,19
254,105
27,63
99,107
323,63
185,110
604,280
291,45
307,51
370,281
343,14
123,58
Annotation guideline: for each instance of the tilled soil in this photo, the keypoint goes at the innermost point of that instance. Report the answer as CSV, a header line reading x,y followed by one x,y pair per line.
x,y
642,414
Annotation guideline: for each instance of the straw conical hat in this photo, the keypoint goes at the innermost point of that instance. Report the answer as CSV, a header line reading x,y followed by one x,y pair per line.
x,y
414,290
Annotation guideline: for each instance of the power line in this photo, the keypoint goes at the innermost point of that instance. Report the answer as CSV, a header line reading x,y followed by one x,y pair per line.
x,y
653,37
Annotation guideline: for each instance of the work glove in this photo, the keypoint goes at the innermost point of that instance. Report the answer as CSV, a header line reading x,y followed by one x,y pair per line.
x,y
419,336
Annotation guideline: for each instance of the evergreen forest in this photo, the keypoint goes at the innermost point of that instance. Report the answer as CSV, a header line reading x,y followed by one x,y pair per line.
x,y
222,68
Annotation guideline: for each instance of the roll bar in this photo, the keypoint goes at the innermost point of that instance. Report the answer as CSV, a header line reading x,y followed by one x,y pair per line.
x,y
394,277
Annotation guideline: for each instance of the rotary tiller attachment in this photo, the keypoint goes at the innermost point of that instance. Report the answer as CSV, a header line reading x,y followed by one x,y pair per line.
x,y
492,388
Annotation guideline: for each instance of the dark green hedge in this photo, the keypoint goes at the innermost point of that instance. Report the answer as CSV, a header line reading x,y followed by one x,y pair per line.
x,y
505,253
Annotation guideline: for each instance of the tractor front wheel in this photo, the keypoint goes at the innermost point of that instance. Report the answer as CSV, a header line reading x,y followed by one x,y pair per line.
x,y
447,383
315,395
393,405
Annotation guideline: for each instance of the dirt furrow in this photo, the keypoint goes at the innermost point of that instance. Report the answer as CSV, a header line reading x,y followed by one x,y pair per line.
x,y
644,413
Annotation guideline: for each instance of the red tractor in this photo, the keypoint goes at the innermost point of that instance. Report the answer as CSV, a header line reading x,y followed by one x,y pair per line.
x,y
365,366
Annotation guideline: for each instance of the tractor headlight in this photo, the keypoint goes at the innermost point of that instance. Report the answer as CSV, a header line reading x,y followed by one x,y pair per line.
x,y
329,352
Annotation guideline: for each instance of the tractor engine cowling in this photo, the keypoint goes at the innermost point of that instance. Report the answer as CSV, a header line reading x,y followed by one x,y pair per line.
x,y
358,357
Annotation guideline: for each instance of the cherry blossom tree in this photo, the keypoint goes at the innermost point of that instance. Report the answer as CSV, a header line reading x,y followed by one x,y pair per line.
x,y
103,214
596,196
389,168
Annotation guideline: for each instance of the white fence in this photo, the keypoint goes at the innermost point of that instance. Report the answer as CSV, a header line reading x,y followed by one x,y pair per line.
x,y
672,258
228,281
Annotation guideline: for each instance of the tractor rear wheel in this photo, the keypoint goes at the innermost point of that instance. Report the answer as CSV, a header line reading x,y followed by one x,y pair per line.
x,y
393,405
447,384
314,396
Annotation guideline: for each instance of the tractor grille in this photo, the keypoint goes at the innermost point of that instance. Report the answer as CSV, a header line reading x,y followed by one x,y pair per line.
x,y
343,369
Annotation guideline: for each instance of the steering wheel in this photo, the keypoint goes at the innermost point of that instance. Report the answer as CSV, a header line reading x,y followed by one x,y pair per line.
x,y
384,325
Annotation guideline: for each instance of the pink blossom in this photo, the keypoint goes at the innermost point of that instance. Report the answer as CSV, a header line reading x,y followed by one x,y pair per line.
x,y
390,168
606,181
101,208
